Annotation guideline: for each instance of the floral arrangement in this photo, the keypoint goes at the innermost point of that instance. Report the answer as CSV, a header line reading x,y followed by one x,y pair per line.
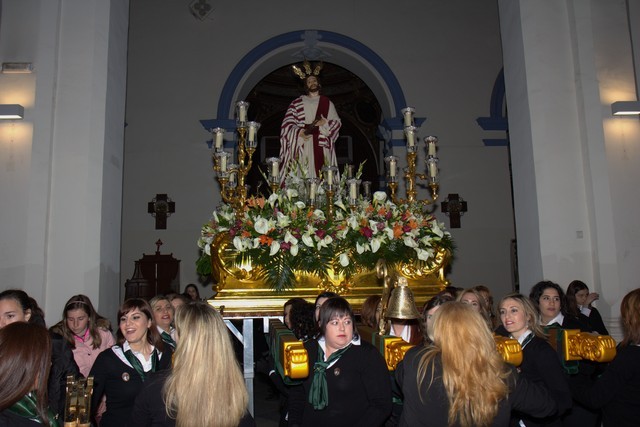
x,y
282,235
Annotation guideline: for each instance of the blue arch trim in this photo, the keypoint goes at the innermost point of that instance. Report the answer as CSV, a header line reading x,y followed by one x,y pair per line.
x,y
496,120
226,97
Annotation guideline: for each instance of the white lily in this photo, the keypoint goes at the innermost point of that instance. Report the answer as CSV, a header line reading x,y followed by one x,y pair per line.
x,y
283,220
275,247
262,225
307,240
408,241
344,259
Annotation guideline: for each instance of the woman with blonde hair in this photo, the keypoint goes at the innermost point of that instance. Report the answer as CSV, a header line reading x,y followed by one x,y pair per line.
x,y
461,380
540,363
201,390
475,299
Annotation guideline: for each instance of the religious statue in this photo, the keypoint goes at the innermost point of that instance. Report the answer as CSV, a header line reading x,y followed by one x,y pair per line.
x,y
310,128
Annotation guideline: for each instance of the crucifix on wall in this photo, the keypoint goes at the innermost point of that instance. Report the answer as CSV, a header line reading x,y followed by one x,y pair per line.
x,y
161,207
454,206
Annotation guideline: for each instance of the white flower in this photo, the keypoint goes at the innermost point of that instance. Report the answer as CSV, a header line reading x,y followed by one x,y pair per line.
x,y
344,259
289,238
294,250
408,241
376,242
307,239
273,198
380,196
300,205
239,244
362,248
436,228
339,203
423,255
262,225
275,247
292,193
283,220
324,243
318,214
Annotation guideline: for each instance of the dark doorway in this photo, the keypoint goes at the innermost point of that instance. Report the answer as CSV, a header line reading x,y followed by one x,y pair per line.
x,y
355,103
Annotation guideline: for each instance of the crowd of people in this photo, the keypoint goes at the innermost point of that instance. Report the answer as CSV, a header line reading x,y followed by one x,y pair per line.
x,y
172,363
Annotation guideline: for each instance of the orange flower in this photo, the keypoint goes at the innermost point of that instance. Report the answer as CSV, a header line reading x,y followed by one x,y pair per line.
x,y
397,231
245,233
413,224
265,240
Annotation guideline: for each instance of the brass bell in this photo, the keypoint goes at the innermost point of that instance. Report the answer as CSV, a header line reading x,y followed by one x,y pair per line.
x,y
401,303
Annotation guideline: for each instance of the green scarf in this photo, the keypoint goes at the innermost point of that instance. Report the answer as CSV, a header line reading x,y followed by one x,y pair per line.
x,y
168,340
138,366
319,392
27,408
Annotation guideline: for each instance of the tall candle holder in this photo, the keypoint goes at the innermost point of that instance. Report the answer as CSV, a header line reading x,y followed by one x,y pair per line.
x,y
410,173
232,177
330,174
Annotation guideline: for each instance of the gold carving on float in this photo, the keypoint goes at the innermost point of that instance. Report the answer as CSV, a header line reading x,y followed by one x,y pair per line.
x,y
241,291
509,349
588,346
289,354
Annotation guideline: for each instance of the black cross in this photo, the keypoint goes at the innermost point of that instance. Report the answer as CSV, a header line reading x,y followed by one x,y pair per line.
x,y
454,206
161,207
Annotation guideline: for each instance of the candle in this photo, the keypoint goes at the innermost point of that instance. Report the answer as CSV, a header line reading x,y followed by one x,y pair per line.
x,y
408,116
219,138
410,138
433,170
353,190
243,113
232,179
432,148
329,176
312,191
392,168
252,133
349,171
274,169
223,162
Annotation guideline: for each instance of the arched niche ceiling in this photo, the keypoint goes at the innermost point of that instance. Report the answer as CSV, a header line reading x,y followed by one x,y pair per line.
x,y
286,49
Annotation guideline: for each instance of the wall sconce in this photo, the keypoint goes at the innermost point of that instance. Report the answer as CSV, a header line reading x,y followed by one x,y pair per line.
x,y
625,108
11,112
17,68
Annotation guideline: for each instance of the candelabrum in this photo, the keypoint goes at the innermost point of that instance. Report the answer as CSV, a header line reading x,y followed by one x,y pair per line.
x,y
232,176
410,172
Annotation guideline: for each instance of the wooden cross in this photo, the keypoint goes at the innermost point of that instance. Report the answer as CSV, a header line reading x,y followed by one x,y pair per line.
x,y
161,207
454,206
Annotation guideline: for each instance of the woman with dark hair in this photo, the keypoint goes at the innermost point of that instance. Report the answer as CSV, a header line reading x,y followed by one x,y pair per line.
x,y
579,301
551,303
320,299
370,312
25,358
617,390
119,372
201,390
192,293
429,310
348,384
86,332
17,306
540,363
460,379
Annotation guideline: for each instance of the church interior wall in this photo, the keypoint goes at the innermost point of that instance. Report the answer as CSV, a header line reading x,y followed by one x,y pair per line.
x,y
446,56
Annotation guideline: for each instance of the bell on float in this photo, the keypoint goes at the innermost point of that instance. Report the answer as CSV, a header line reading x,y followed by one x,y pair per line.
x,y
401,303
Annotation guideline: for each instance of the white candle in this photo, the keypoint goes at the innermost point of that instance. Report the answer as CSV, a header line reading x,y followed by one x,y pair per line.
x,y
223,163
232,178
274,169
353,190
312,191
407,117
432,148
392,168
433,170
252,133
242,112
410,138
219,139
329,176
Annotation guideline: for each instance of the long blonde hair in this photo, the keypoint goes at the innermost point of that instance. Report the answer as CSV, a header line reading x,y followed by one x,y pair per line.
x,y
205,387
473,373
